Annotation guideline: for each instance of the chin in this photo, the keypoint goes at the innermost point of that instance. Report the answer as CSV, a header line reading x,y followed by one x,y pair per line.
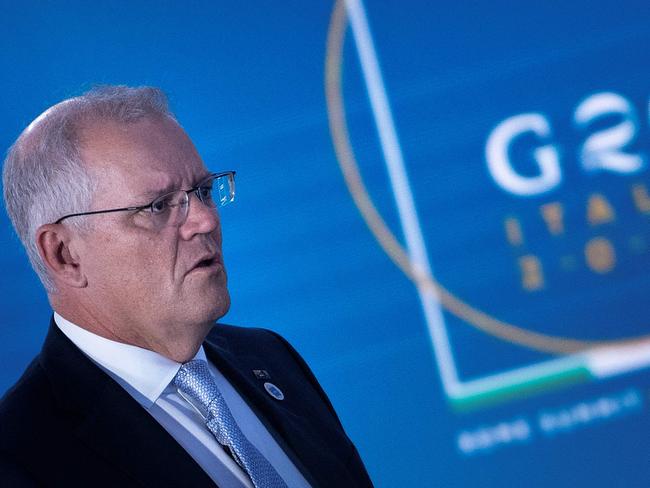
x,y
206,301
221,307
215,306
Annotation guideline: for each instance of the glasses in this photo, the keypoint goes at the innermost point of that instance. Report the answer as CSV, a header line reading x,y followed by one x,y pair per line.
x,y
171,209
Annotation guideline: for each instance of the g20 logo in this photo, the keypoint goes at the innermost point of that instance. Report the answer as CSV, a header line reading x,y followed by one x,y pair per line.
x,y
605,147
603,150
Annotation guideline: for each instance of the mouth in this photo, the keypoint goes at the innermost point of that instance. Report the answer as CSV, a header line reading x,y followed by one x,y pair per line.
x,y
208,263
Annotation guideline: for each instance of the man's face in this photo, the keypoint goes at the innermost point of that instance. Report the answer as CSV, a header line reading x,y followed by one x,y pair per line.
x,y
151,287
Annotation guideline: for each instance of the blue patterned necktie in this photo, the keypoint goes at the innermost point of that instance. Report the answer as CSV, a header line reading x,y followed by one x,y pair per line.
x,y
194,380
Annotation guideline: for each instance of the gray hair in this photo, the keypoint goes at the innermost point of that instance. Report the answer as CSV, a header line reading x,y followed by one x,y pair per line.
x,y
44,175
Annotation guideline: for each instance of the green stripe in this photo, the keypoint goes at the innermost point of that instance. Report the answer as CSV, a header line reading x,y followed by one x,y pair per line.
x,y
520,388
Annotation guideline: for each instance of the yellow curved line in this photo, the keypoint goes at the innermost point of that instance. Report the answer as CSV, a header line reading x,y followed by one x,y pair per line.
x,y
387,240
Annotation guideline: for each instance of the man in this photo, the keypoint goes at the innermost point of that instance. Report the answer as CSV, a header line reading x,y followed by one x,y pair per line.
x,y
134,386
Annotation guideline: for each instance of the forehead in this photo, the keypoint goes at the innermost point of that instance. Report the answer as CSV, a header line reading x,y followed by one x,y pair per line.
x,y
140,158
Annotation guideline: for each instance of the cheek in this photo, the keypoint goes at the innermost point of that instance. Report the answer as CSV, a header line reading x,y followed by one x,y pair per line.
x,y
128,266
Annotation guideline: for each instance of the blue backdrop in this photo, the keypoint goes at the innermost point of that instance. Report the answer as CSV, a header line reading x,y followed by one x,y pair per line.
x,y
517,184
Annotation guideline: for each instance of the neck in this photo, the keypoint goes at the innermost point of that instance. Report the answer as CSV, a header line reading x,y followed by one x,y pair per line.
x,y
179,344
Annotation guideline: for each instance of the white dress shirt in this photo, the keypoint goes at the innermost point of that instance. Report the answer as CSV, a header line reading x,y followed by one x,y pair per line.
x,y
147,376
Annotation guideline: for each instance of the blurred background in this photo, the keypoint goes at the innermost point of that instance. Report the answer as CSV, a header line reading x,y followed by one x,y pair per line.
x,y
491,329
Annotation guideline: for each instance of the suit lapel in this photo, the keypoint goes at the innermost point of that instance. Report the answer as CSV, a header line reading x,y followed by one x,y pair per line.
x,y
111,423
238,369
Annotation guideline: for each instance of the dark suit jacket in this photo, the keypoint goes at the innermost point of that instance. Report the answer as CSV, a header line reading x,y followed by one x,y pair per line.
x,y
67,423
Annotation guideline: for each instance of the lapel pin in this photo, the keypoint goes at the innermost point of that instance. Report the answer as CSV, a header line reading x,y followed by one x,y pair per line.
x,y
274,391
261,374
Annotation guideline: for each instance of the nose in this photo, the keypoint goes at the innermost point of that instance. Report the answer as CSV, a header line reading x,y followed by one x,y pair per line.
x,y
201,219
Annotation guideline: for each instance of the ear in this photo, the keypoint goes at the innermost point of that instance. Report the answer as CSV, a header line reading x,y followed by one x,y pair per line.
x,y
53,242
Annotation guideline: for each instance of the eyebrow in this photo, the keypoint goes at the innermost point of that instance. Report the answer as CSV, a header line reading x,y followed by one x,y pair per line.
x,y
150,195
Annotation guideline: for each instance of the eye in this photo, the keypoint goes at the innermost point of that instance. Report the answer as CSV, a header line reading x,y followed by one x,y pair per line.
x,y
205,192
161,205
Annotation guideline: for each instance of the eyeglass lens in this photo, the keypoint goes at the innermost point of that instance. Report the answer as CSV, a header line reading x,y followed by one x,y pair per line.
x,y
172,209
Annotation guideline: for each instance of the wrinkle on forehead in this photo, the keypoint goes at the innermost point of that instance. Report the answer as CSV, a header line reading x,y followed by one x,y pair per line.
x,y
160,183
143,159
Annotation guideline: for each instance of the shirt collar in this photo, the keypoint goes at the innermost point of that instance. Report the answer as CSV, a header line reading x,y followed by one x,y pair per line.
x,y
148,372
